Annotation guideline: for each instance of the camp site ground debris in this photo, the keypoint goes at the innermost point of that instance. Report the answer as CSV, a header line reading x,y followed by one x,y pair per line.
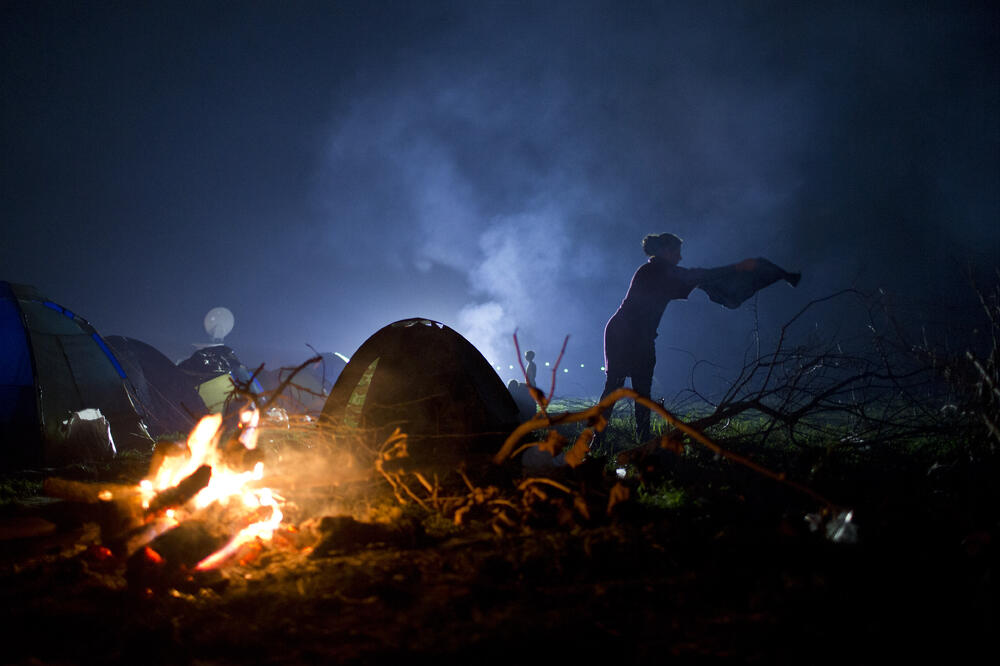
x,y
725,573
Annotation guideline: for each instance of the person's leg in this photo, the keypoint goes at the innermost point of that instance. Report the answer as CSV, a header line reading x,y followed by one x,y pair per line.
x,y
642,383
616,346
615,381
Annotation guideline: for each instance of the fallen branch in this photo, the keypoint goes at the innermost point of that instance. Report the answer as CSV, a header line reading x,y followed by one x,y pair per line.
x,y
594,416
244,390
84,492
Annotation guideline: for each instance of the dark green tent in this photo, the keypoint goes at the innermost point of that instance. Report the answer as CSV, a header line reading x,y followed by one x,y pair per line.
x,y
431,383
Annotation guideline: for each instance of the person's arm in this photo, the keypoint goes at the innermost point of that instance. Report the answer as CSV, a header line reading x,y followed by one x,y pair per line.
x,y
703,275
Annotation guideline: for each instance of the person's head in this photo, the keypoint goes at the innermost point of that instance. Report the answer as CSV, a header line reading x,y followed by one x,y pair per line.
x,y
530,355
667,246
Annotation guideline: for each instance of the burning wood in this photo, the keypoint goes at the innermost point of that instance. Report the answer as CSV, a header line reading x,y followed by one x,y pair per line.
x,y
199,508
345,534
85,493
172,556
198,484
164,450
116,508
180,494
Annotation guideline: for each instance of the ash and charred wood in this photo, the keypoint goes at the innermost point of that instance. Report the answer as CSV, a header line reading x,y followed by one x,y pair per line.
x,y
123,545
116,508
166,560
25,527
182,492
345,534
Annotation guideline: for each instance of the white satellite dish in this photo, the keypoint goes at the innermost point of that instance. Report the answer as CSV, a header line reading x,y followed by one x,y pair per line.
x,y
218,323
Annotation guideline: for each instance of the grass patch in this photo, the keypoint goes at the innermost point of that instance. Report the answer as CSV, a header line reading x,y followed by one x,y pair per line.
x,y
664,495
14,489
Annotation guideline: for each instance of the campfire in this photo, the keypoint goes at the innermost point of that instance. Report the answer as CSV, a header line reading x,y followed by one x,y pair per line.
x,y
201,504
233,490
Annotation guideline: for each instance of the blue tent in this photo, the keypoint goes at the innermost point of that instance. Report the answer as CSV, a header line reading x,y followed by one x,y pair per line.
x,y
53,364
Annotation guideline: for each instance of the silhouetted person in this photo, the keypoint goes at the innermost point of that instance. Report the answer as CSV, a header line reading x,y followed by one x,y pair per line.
x,y
531,369
629,337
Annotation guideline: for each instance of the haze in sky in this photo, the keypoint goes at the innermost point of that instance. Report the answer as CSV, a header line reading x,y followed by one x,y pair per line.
x,y
323,169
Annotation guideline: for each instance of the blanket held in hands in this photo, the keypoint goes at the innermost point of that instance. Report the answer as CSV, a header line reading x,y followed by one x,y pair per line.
x,y
734,287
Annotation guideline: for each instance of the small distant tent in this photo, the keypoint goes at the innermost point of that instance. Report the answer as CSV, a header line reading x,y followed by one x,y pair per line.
x,y
215,370
53,365
166,395
424,378
307,391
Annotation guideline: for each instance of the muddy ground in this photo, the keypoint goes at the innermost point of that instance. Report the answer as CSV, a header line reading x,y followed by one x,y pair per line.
x,y
728,570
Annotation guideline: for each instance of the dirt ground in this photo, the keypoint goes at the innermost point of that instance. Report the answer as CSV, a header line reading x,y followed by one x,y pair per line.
x,y
732,573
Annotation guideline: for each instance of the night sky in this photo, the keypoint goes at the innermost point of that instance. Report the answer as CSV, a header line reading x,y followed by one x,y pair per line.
x,y
324,169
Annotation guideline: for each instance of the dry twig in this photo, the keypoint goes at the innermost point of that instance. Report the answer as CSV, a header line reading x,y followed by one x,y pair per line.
x,y
594,415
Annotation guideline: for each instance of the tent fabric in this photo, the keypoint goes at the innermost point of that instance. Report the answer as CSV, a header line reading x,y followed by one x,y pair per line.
x,y
166,395
304,394
53,365
215,371
214,360
17,393
215,392
424,378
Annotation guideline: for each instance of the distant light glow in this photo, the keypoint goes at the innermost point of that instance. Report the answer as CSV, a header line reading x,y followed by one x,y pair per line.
x,y
581,365
565,369
546,364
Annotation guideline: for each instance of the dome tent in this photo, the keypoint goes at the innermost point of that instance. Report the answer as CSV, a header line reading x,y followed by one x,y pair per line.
x,y
165,394
53,364
423,377
215,370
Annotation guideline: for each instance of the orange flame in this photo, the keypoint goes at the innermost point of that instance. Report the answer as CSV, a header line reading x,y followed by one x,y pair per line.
x,y
226,485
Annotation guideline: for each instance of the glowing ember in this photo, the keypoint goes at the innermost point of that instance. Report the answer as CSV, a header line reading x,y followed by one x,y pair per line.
x,y
227,487
260,530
